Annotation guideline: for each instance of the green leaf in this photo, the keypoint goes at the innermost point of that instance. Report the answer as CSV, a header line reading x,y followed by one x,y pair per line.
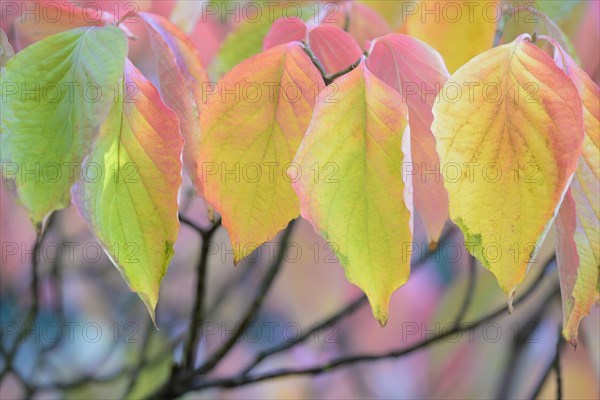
x,y
132,206
247,38
364,209
55,94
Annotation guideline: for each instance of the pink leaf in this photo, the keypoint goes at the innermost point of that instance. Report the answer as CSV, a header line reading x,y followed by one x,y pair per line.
x,y
334,48
285,30
418,72
363,23
182,81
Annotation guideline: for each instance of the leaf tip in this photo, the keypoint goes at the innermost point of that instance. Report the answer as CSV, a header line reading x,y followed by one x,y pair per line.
x,y
150,306
380,311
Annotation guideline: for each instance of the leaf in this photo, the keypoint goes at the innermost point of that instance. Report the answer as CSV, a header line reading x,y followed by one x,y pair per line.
x,y
360,209
251,129
30,28
132,207
334,48
6,50
417,72
247,38
285,30
183,81
558,10
391,11
459,30
524,136
578,221
46,132
531,20
359,20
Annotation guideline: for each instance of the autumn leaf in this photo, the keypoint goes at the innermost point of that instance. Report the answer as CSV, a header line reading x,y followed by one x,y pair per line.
x,y
356,200
392,11
359,20
183,81
509,130
578,221
247,38
417,72
459,30
30,28
130,198
251,129
49,127
334,48
285,30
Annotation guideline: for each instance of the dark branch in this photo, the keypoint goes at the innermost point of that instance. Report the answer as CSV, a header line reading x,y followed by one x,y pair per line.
x,y
355,305
200,294
35,298
242,379
254,308
553,365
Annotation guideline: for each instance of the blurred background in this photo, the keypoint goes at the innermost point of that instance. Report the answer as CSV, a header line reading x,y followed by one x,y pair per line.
x,y
92,337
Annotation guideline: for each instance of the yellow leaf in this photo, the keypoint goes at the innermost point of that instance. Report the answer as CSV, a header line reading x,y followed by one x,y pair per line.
x,y
459,30
509,144
356,199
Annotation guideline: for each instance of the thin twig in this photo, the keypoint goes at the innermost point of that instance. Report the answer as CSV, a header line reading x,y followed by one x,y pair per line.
x,y
241,379
200,294
35,298
355,305
254,308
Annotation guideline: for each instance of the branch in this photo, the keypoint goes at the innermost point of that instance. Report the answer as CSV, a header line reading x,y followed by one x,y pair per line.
x,y
242,380
35,298
170,389
254,308
355,305
554,365
198,309
344,312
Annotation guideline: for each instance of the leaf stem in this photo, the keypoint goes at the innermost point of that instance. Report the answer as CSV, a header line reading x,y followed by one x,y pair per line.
x,y
329,78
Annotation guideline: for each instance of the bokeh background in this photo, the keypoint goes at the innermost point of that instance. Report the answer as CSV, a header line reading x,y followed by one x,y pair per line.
x,y
92,332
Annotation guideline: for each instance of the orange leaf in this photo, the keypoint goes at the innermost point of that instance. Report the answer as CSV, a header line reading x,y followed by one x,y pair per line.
x,y
509,129
251,129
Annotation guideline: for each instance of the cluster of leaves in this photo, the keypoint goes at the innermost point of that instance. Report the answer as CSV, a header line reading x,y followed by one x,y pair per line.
x,y
326,118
